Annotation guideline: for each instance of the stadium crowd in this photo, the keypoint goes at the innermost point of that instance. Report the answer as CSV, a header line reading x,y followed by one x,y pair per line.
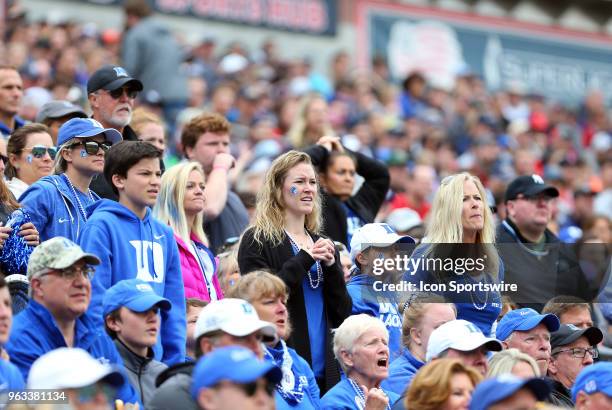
x,y
195,228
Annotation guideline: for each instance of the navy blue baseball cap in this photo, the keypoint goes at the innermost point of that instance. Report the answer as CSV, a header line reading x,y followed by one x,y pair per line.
x,y
111,77
496,389
233,363
85,128
523,320
134,294
596,378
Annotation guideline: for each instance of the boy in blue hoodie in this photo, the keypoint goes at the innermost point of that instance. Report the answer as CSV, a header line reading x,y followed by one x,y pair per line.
x,y
132,244
369,244
57,203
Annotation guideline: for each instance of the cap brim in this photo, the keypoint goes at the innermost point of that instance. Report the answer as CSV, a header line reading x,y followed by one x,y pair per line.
x,y
593,335
241,329
256,369
105,372
539,387
89,258
549,190
61,113
110,134
551,322
490,344
120,82
146,301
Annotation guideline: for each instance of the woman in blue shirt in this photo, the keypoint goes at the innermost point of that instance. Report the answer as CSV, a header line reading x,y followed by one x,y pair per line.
x,y
285,239
458,258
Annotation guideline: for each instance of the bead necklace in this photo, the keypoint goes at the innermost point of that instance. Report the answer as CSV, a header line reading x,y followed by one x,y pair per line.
x,y
79,204
314,283
289,388
361,394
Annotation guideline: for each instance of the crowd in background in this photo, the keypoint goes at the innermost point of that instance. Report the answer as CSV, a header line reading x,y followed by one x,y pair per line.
x,y
259,167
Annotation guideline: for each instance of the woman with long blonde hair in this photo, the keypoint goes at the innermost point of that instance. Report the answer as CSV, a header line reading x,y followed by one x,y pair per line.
x,y
285,239
181,205
459,250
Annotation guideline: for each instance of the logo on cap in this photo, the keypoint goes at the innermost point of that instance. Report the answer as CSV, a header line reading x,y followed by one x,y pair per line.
x,y
525,312
144,287
573,327
590,386
120,71
247,308
537,179
241,355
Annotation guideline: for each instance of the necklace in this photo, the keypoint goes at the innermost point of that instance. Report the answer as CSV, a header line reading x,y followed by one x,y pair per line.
x,y
76,197
314,283
361,401
484,305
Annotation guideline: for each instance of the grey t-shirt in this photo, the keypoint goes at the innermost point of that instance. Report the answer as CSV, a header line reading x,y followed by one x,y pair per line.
x,y
232,221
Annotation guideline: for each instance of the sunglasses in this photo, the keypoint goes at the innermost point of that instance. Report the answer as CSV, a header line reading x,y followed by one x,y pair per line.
x,y
88,393
4,159
92,147
116,94
38,151
250,389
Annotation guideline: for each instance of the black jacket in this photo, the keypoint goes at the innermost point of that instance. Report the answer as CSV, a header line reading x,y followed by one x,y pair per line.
x,y
560,395
539,274
292,269
365,203
174,389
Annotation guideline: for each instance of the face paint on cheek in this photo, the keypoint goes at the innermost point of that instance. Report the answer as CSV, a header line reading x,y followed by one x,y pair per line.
x,y
29,159
83,153
293,190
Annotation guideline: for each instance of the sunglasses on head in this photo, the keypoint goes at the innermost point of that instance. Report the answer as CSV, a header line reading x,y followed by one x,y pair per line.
x,y
38,151
92,147
116,94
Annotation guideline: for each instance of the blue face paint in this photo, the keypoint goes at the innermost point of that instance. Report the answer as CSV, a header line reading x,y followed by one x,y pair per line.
x,y
29,159
293,190
83,153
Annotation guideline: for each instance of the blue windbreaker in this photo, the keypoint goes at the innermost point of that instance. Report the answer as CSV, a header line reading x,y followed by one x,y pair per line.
x,y
401,372
382,305
129,248
53,209
35,333
343,397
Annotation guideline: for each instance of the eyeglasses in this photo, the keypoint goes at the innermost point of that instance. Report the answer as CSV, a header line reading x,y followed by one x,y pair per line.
x,y
4,159
116,94
88,393
580,352
39,151
92,147
251,388
71,273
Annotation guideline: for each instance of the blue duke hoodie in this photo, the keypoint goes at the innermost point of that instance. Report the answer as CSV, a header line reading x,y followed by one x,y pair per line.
x,y
401,372
129,248
344,397
35,333
382,305
53,208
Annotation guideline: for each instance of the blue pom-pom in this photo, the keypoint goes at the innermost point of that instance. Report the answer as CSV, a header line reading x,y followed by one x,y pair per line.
x,y
16,252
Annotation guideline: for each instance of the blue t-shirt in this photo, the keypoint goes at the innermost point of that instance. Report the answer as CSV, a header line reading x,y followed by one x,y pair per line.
x,y
10,377
343,396
382,305
477,306
317,324
401,372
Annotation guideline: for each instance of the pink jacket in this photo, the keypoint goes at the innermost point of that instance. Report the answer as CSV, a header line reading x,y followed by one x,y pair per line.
x,y
193,279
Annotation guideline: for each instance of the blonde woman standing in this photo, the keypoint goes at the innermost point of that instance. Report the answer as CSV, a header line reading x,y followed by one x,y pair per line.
x,y
181,205
285,239
459,249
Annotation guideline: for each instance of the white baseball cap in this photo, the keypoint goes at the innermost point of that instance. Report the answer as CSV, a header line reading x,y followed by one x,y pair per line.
x,y
375,234
459,335
404,219
234,316
70,368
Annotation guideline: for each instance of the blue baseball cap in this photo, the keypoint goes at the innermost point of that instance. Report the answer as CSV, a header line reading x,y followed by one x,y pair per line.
x,y
85,128
496,389
233,363
135,294
594,379
524,319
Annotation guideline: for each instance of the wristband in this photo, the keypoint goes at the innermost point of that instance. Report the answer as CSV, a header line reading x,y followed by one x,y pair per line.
x,y
223,167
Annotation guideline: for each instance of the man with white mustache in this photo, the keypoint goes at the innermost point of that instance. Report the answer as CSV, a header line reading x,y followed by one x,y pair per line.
x,y
111,92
